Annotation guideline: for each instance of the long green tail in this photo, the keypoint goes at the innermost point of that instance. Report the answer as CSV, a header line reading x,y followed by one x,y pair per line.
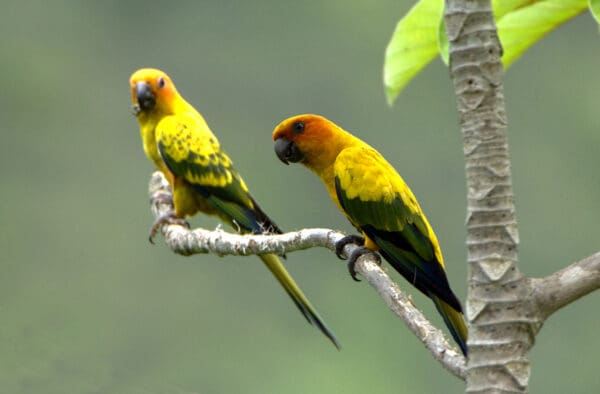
x,y
454,321
276,267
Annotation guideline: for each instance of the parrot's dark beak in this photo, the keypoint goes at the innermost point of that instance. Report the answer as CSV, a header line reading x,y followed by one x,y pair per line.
x,y
146,100
287,151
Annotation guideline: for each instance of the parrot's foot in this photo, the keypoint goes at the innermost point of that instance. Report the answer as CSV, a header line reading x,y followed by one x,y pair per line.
x,y
168,218
354,256
348,239
162,197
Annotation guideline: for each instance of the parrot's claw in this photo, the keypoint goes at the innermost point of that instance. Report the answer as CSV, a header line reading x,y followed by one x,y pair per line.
x,y
348,239
354,256
168,218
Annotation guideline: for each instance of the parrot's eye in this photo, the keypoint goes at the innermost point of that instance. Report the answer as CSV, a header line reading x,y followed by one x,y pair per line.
x,y
298,127
161,82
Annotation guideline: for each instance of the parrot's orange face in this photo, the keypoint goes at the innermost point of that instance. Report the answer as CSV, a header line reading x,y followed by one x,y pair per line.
x,y
151,90
307,139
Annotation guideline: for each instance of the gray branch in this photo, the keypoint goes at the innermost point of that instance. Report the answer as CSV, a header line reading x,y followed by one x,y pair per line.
x,y
184,241
567,285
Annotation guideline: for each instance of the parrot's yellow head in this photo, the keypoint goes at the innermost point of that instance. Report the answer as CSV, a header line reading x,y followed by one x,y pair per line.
x,y
309,139
152,91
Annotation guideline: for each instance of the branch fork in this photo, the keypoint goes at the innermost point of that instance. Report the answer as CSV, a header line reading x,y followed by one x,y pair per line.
x,y
186,242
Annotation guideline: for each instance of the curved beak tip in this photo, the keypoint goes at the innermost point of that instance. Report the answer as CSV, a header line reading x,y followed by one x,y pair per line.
x,y
282,145
135,109
287,151
145,97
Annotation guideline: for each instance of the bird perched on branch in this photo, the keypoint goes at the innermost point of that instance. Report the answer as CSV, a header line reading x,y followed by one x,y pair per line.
x,y
179,142
377,201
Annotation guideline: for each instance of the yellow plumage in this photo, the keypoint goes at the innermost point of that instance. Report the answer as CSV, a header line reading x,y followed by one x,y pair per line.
x,y
377,201
179,142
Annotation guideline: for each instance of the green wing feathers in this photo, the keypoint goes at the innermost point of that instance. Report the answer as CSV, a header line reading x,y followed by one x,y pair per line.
x,y
380,204
192,152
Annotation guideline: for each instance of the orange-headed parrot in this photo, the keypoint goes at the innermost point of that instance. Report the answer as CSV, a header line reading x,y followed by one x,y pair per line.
x,y
377,201
179,142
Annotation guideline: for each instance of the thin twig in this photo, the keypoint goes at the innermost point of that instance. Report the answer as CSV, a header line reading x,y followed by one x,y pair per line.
x,y
186,242
567,285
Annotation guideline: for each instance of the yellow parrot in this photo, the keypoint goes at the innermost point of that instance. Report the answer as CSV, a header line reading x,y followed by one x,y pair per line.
x,y
179,142
377,201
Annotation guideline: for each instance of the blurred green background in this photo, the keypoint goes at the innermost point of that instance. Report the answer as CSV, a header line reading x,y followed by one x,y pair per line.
x,y
87,305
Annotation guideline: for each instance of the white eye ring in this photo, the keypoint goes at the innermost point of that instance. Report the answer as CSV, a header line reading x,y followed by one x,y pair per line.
x,y
161,82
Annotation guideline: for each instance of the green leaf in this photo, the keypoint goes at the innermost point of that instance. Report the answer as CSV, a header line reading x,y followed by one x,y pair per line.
x,y
594,6
443,42
412,47
421,34
503,7
522,27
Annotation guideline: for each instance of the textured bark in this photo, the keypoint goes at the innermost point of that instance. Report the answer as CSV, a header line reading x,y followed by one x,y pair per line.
x,y
187,242
504,308
502,320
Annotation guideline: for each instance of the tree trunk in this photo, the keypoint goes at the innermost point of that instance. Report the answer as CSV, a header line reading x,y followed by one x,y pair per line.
x,y
502,327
